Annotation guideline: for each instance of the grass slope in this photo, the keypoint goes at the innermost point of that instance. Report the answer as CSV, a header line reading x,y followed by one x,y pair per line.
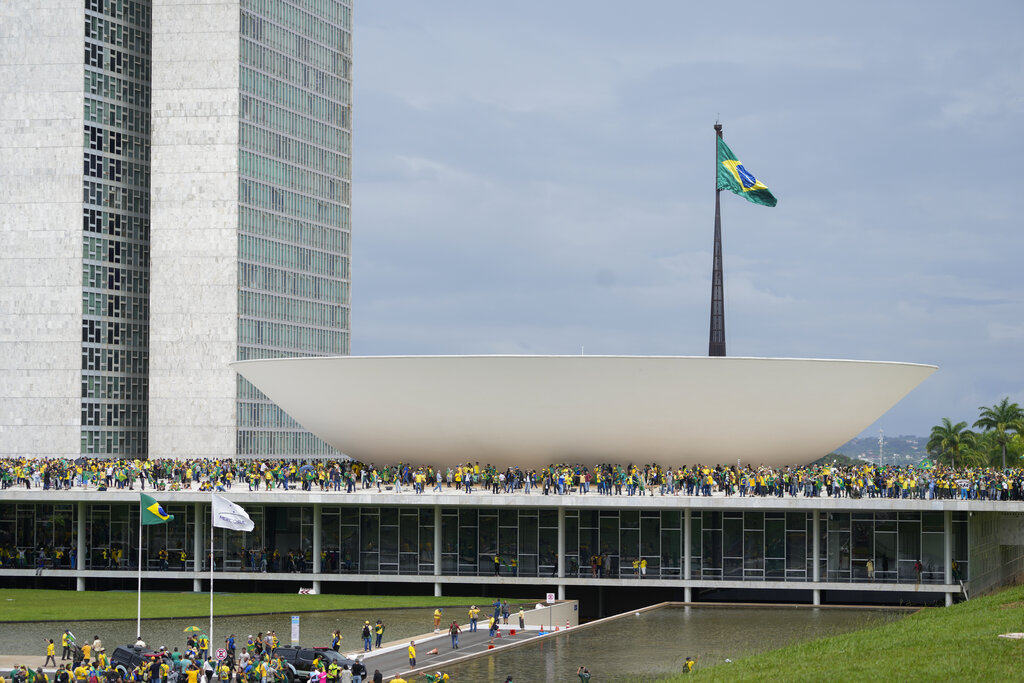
x,y
35,605
958,643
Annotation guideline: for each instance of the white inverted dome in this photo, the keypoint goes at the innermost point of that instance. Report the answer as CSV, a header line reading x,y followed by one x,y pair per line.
x,y
534,410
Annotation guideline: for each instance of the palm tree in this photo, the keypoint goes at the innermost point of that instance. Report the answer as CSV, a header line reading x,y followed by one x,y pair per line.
x,y
1002,419
947,439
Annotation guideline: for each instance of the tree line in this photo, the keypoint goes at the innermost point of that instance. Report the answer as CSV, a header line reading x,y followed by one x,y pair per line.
x,y
999,438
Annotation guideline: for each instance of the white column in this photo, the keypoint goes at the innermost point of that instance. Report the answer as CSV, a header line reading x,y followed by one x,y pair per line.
x,y
947,552
687,522
561,553
80,547
318,531
687,594
437,549
197,547
816,545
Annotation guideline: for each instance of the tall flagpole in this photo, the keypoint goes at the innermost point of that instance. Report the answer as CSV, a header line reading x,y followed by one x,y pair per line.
x,y
138,605
716,340
209,635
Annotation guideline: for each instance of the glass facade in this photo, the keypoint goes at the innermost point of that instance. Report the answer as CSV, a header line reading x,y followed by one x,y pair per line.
x,y
729,545
295,198
115,249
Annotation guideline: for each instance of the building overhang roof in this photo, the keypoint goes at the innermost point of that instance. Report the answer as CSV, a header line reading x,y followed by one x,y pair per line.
x,y
535,410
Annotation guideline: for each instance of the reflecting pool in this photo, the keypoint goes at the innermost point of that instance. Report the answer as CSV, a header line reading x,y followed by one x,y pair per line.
x,y
655,643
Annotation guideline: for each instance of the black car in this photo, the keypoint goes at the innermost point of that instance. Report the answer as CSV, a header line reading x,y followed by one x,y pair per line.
x,y
127,657
300,659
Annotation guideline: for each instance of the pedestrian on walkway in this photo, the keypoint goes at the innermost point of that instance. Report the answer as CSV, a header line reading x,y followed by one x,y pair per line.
x,y
474,614
454,631
51,651
367,647
412,654
437,620
379,630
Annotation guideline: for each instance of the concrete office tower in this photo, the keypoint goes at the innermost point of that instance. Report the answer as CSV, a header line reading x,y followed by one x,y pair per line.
x,y
74,152
130,278
250,214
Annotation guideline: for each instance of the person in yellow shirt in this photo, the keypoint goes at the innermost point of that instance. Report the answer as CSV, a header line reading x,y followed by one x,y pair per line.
x,y
86,651
437,620
51,652
412,655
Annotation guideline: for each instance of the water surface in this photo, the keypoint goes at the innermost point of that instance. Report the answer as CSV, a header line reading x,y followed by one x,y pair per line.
x,y
656,643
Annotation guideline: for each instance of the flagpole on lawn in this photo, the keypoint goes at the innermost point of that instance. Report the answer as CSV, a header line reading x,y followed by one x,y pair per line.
x,y
138,604
209,635
716,338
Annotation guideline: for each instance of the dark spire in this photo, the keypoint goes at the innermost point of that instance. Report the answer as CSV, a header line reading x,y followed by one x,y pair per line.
x,y
716,341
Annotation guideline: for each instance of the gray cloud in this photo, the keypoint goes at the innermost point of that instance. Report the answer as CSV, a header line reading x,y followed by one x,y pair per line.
x,y
533,179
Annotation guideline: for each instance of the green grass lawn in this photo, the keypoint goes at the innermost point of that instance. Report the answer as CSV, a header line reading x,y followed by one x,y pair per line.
x,y
958,643
35,605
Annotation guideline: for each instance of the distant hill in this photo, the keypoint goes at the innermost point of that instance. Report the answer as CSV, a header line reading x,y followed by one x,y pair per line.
x,y
838,459
904,450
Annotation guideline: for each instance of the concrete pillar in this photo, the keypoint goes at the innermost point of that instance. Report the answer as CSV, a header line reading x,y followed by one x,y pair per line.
x,y
197,546
561,591
318,532
817,596
437,542
816,544
80,547
687,520
687,594
437,549
560,551
947,552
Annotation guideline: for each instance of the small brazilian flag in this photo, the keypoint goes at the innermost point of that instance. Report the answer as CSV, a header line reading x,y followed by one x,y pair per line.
x,y
738,180
153,512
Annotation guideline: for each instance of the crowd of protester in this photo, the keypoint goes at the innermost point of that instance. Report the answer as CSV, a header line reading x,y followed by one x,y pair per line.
x,y
862,480
253,660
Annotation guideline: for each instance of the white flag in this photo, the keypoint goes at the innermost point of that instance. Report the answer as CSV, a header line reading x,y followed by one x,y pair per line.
x,y
227,515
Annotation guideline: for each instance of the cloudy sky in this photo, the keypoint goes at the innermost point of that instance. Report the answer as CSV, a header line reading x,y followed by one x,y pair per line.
x,y
537,177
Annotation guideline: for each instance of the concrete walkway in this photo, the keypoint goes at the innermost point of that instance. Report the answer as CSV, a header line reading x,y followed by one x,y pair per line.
x,y
393,658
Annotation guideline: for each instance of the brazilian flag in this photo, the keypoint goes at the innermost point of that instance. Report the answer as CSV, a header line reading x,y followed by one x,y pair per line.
x,y
738,180
153,512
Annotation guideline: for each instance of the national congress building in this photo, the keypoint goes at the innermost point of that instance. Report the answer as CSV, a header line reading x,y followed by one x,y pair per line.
x,y
176,198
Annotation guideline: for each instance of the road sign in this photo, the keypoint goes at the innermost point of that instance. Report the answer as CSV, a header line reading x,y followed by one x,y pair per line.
x,y
295,630
551,598
221,654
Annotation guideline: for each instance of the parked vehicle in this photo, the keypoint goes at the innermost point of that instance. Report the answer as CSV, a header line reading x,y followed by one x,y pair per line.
x,y
300,659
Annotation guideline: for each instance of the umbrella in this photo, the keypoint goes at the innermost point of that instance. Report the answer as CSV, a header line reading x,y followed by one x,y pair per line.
x,y
192,629
305,468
